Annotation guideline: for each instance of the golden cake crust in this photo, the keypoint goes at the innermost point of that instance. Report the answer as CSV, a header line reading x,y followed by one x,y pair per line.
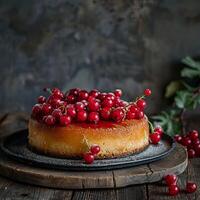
x,y
114,139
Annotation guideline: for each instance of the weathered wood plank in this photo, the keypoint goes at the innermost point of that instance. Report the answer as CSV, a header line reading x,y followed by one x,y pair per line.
x,y
94,194
136,192
15,190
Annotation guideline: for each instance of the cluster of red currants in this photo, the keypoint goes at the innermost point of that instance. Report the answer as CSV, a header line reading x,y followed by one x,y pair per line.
x,y
173,188
191,141
90,156
83,106
156,136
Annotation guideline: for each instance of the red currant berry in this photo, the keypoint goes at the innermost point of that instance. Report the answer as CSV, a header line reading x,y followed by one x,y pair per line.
x,y
139,114
173,190
186,141
95,149
85,102
94,93
102,96
41,99
155,138
130,115
197,149
79,106
56,113
55,102
50,120
74,91
83,95
191,153
159,130
70,98
57,93
36,110
147,92
117,115
105,113
118,93
196,142
93,117
81,116
111,96
133,108
71,111
141,103
178,138
107,103
46,108
171,179
191,187
88,157
65,120
93,105
193,135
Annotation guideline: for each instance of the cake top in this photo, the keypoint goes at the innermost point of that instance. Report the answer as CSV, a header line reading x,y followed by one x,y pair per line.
x,y
78,105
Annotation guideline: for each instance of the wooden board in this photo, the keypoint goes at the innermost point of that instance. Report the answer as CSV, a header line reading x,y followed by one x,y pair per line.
x,y
176,163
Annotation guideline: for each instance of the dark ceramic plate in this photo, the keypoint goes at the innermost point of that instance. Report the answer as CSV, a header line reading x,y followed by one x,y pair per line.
x,y
16,146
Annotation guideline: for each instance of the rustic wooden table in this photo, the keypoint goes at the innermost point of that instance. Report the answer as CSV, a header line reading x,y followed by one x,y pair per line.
x,y
17,191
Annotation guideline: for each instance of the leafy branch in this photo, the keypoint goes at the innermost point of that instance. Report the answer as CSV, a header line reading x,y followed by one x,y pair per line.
x,y
186,96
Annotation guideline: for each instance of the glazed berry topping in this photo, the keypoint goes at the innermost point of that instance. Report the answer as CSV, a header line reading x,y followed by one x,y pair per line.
x,y
191,153
82,106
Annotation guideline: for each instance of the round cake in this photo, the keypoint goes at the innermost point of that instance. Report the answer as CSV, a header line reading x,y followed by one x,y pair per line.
x,y
82,124
114,139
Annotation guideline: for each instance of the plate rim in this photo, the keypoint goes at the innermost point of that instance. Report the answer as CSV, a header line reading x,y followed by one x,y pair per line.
x,y
83,167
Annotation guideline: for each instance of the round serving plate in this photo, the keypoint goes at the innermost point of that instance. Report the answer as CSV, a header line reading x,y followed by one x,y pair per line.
x,y
16,147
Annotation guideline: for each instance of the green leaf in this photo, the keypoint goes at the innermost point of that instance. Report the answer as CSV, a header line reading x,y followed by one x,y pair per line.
x,y
183,99
193,69
172,88
168,121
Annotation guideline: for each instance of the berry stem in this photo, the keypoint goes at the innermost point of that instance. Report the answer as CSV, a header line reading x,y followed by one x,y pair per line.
x,y
151,127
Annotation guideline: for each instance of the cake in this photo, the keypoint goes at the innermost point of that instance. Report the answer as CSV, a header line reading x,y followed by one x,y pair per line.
x,y
86,124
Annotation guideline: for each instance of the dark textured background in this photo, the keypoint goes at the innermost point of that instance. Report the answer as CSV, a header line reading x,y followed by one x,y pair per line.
x,y
105,44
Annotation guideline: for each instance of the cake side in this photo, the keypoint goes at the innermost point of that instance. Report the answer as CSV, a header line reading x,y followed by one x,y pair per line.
x,y
126,137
